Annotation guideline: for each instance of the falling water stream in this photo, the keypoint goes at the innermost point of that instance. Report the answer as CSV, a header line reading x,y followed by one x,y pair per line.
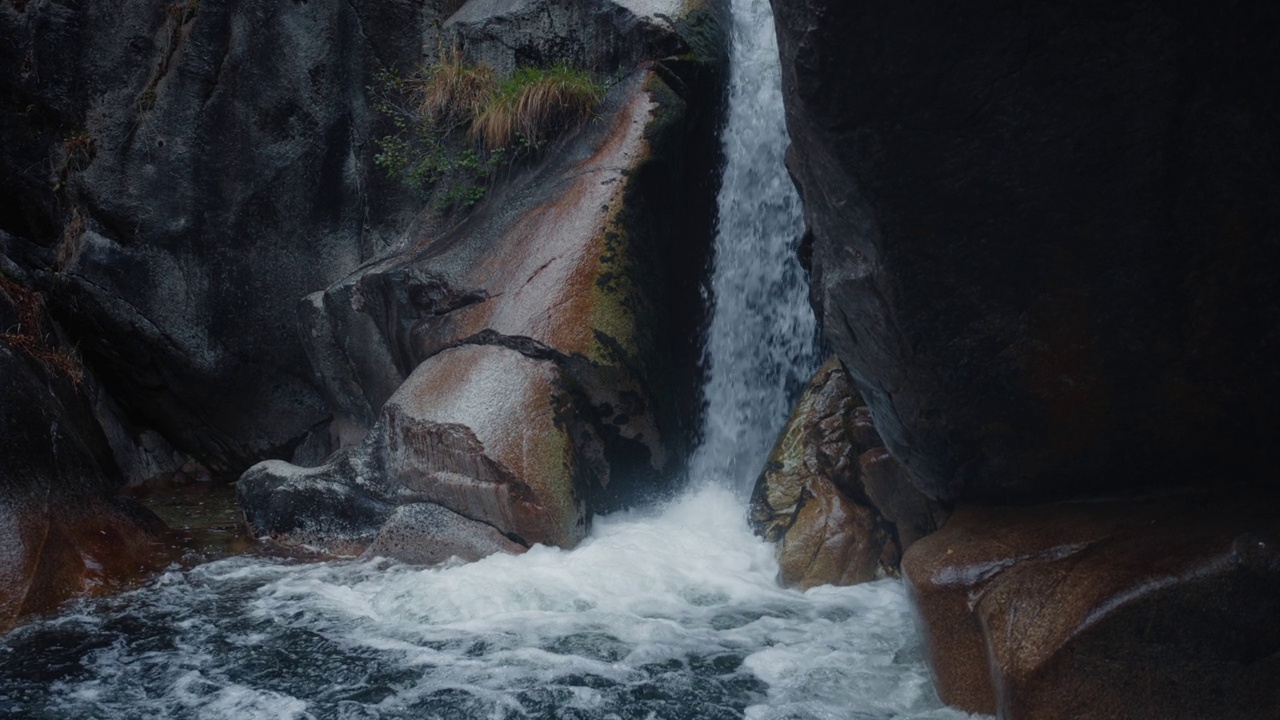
x,y
666,613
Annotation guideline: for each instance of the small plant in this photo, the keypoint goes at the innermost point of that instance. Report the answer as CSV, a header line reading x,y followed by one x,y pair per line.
x,y
27,334
184,11
69,242
79,149
147,100
452,92
457,123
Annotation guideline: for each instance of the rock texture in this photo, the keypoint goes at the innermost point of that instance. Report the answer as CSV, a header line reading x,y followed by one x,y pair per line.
x,y
63,529
1045,237
1161,608
535,33
527,367
836,503
177,175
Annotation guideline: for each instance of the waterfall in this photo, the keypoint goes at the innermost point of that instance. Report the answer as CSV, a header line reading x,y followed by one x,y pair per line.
x,y
664,613
760,342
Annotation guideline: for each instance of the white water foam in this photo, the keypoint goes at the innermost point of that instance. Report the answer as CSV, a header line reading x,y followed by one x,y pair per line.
x,y
664,615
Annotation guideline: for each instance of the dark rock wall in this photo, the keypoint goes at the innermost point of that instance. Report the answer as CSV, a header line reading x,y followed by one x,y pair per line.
x,y
179,174
62,527
1046,235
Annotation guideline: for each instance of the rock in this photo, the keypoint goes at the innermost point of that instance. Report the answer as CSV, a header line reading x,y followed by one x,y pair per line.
x,y
831,497
179,174
518,371
1160,608
582,33
428,534
607,229
1045,237
63,528
445,438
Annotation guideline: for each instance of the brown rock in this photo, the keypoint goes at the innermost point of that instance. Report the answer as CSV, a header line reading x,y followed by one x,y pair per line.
x,y
834,541
835,502
475,429
1142,609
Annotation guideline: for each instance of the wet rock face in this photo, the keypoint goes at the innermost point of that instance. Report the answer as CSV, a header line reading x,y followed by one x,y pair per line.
x,y
515,374
1045,236
1166,608
178,175
63,529
839,507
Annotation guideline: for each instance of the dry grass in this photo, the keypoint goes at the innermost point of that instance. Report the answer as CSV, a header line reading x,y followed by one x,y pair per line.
x,y
79,149
28,335
452,92
69,243
535,105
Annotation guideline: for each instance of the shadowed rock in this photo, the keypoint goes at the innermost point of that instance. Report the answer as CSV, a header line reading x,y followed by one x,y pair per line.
x,y
1046,245
63,528
1045,237
178,174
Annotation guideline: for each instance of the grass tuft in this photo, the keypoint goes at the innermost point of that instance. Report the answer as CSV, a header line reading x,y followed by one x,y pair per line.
x,y
28,335
535,105
452,92
457,123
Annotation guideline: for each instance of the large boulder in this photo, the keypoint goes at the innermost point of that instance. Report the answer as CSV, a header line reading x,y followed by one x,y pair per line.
x,y
603,34
1045,236
838,507
178,175
528,367
1160,608
63,528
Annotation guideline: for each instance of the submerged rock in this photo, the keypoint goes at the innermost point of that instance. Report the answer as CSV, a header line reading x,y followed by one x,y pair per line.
x,y
1144,609
839,508
63,528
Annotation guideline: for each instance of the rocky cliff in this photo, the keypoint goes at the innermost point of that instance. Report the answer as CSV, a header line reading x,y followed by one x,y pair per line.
x,y
1046,246
1045,238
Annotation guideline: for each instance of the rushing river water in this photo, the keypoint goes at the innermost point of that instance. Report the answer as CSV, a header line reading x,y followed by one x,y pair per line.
x,y
667,613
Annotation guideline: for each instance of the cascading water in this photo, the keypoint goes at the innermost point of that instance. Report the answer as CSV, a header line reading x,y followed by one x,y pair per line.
x,y
666,614
760,344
